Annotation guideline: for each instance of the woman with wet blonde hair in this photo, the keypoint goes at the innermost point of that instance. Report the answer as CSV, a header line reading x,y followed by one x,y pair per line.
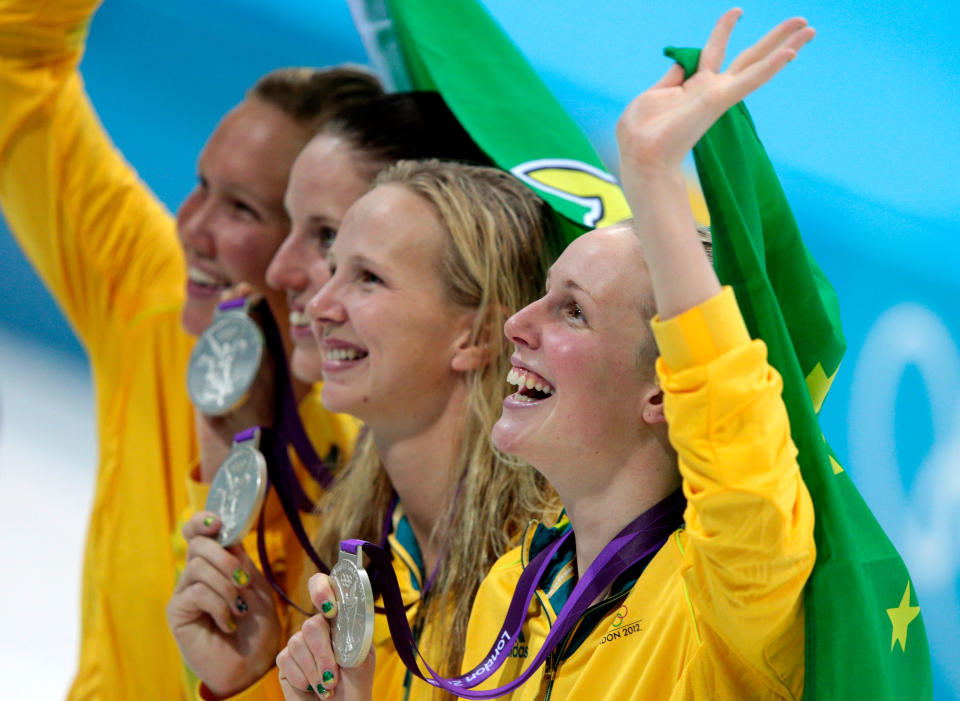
x,y
426,269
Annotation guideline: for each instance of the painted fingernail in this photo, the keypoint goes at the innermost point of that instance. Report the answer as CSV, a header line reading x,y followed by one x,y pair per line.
x,y
308,689
329,608
327,676
232,625
241,605
208,521
323,693
241,577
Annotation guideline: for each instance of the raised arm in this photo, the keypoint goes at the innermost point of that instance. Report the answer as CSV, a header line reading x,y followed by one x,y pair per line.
x,y
657,131
99,239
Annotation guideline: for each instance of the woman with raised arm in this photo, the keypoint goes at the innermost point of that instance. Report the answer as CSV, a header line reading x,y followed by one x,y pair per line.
x,y
136,285
334,170
680,568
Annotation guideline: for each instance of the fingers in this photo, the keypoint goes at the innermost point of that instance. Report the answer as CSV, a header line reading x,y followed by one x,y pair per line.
x,y
241,289
671,79
205,523
307,661
200,599
322,595
763,70
711,58
774,38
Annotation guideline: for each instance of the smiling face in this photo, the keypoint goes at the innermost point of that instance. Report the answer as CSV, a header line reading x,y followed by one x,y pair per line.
x,y
234,220
324,182
580,343
385,322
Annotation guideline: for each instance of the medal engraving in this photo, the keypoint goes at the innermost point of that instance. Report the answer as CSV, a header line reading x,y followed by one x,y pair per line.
x,y
224,363
237,492
353,628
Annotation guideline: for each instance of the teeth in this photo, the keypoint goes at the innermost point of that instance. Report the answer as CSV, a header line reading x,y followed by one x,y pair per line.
x,y
342,354
298,318
521,379
199,276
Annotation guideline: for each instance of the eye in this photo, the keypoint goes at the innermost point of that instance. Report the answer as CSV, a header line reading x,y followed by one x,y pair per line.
x,y
365,276
574,312
244,209
325,236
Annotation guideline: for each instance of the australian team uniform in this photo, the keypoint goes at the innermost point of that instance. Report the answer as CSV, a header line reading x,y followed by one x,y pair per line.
x,y
108,251
717,613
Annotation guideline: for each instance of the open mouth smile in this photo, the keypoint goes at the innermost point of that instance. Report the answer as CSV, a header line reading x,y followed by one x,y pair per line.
x,y
531,386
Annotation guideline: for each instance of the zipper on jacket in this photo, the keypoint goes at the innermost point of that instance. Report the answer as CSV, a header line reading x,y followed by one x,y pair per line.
x,y
553,661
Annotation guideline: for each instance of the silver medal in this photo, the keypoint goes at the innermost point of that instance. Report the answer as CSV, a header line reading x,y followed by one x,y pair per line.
x,y
237,492
353,629
225,362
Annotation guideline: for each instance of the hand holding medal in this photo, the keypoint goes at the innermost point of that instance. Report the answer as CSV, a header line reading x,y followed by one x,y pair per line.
x,y
223,612
332,653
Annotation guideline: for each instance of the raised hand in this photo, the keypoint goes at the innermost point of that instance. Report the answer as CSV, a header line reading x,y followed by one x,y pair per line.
x,y
660,127
307,665
223,614
664,123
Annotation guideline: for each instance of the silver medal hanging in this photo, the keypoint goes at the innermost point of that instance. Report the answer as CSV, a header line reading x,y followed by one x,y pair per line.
x,y
226,360
239,488
353,628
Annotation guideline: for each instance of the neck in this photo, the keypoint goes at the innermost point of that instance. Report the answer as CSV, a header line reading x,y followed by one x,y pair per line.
x,y
300,389
615,495
420,467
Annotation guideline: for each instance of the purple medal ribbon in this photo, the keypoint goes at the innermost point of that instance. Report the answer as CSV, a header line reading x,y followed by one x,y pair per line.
x,y
640,539
288,430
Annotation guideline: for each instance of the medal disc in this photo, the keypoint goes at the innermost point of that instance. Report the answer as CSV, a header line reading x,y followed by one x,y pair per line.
x,y
353,628
224,363
237,492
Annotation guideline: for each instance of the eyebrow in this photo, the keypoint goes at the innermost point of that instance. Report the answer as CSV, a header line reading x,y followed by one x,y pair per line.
x,y
570,285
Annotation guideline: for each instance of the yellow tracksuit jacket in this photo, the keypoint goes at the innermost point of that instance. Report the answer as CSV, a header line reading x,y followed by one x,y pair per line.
x,y
718,611
108,251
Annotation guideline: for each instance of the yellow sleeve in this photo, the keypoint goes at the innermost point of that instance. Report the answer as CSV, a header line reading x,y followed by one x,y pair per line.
x,y
102,243
749,517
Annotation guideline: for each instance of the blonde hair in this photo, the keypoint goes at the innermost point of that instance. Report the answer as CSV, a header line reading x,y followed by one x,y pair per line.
x,y
494,262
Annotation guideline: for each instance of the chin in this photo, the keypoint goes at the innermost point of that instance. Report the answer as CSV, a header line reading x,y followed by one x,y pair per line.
x,y
307,365
196,316
505,438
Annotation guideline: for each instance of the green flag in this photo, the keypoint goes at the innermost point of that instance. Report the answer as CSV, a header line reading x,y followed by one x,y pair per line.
x,y
865,637
455,48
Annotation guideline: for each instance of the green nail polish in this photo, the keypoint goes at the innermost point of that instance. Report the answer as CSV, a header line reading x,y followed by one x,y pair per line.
x,y
326,606
327,677
208,521
309,688
241,577
322,692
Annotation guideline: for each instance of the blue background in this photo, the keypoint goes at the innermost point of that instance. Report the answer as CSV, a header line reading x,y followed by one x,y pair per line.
x,y
863,130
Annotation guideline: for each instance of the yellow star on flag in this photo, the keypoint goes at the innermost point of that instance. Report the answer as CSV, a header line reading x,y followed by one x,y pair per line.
x,y
900,617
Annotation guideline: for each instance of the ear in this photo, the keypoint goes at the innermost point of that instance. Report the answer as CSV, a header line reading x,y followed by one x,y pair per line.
x,y
651,406
470,354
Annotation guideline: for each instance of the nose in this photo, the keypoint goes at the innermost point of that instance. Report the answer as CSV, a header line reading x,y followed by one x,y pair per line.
x,y
288,268
522,328
325,308
193,224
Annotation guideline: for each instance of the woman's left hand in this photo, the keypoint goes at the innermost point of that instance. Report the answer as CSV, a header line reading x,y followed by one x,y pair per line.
x,y
663,124
307,665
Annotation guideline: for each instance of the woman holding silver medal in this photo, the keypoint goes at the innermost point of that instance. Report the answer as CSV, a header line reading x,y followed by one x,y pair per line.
x,y
137,285
335,168
709,589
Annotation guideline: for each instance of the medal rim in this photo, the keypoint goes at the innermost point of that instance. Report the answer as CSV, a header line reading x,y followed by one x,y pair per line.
x,y
258,499
347,559
235,400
